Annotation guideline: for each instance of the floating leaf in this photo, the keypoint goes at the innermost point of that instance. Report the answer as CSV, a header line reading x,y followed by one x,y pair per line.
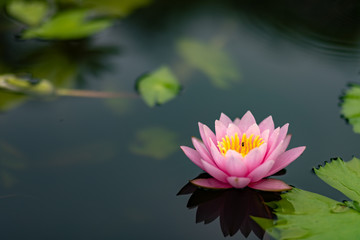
x,y
344,176
155,142
119,8
306,215
350,106
28,12
158,87
23,85
72,24
211,59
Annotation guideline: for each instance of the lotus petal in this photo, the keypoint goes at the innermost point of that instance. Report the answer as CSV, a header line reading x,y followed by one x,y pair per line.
x,y
267,124
214,171
271,185
286,158
210,183
219,159
238,182
193,155
261,171
220,130
201,149
225,119
235,165
255,157
246,121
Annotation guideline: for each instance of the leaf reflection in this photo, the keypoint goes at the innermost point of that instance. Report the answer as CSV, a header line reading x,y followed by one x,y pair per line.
x,y
350,106
154,142
211,59
234,207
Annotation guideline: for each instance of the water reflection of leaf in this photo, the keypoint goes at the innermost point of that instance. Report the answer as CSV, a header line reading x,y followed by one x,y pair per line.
x,y
11,160
234,207
90,153
158,87
7,179
9,101
305,215
350,106
71,24
154,142
211,59
28,12
118,8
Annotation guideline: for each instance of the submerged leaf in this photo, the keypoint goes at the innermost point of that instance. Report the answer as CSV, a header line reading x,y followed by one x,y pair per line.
x,y
119,8
344,176
155,142
306,215
72,24
28,12
350,106
211,60
158,87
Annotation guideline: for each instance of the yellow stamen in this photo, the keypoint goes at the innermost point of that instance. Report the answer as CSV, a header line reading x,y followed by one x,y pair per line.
x,y
243,147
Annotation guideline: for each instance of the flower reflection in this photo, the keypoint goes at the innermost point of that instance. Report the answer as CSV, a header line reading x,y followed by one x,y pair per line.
x,y
234,207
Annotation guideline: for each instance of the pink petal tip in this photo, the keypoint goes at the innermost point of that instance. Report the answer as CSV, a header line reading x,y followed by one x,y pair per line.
x,y
270,185
211,183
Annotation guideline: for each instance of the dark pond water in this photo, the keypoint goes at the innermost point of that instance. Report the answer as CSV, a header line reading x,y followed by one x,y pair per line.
x,y
88,168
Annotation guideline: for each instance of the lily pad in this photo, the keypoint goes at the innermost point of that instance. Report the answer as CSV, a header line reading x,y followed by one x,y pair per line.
x,y
305,215
28,12
344,176
72,24
350,106
210,59
116,8
158,87
16,84
155,142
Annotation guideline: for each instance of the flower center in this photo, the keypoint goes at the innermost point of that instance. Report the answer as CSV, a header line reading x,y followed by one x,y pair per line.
x,y
244,146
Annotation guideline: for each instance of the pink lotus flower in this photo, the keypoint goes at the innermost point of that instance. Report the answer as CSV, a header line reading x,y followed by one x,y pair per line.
x,y
242,153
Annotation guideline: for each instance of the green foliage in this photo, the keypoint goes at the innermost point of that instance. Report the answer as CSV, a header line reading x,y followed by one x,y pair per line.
x,y
21,85
211,59
117,8
155,142
9,100
306,215
344,176
350,106
159,86
72,24
28,12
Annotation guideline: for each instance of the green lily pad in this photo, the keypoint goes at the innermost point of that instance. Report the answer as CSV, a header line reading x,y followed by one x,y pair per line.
x,y
72,24
21,85
344,176
210,59
29,12
306,215
154,142
158,87
350,106
119,8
